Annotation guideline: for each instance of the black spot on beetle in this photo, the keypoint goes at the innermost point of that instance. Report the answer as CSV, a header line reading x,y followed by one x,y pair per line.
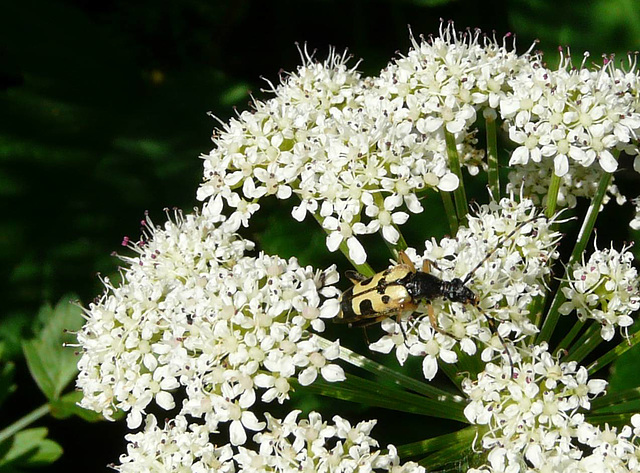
x,y
366,308
386,298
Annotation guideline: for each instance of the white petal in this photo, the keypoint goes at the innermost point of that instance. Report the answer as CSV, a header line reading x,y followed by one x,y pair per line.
x,y
449,182
390,234
448,356
608,162
400,218
413,203
134,419
333,241
308,376
250,421
299,212
237,434
384,345
429,367
356,251
165,400
519,156
561,165
333,373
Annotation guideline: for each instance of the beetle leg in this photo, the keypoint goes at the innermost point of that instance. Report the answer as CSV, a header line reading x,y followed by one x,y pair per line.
x,y
433,319
354,276
404,259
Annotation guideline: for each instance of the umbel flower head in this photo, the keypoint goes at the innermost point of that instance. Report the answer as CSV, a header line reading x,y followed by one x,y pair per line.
x,y
212,331
194,312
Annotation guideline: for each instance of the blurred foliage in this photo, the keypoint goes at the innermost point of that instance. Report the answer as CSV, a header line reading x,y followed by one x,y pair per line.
x,y
104,115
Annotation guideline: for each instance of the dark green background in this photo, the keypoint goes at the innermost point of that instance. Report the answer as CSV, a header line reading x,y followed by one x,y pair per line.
x,y
104,114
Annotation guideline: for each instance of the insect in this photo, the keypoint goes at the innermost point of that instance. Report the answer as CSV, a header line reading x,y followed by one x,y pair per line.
x,y
398,289
401,288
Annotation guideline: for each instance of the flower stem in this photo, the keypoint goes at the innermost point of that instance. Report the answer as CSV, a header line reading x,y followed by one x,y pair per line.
x,y
450,210
492,157
23,422
569,337
459,194
615,353
583,237
588,342
395,377
552,195
434,444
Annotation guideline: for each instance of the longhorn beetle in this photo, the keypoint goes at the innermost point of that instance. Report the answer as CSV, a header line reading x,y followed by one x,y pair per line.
x,y
401,288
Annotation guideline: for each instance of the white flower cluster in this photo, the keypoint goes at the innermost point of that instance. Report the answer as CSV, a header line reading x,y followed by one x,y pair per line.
x,y
604,289
194,314
514,247
570,118
358,152
581,182
286,446
533,418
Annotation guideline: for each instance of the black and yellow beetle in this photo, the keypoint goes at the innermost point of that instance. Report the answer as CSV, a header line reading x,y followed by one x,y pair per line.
x,y
401,288
395,290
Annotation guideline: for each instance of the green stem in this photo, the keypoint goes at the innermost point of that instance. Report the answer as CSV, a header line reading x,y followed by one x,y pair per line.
x,y
365,269
611,419
459,194
450,210
552,195
588,342
23,422
434,444
614,399
583,238
395,377
569,337
492,157
614,353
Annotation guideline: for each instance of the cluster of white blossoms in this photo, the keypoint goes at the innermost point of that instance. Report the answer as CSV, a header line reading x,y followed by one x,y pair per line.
x,y
604,289
568,119
534,421
582,182
195,316
359,152
291,445
505,252
210,331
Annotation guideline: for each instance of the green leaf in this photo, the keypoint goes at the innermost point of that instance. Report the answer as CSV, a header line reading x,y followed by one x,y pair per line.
x,y
67,406
28,448
51,364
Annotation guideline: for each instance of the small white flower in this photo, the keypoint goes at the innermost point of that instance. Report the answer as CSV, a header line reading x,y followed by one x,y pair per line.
x,y
605,288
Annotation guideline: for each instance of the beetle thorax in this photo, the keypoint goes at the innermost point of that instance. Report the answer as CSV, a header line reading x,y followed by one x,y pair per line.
x,y
456,291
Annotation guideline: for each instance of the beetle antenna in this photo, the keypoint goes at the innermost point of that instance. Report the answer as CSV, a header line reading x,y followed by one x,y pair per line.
x,y
498,245
492,326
